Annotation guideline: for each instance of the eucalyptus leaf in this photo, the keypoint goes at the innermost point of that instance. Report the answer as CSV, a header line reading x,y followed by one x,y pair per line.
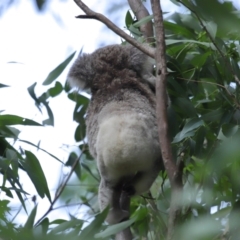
x,y
9,119
36,174
54,74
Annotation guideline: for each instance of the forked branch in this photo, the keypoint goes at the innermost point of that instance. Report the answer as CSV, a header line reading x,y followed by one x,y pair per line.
x,y
141,12
94,15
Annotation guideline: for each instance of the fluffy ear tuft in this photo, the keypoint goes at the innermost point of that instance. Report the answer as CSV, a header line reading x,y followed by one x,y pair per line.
x,y
82,72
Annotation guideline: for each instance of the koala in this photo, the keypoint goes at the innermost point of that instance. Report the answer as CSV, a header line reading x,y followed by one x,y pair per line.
x,y
121,123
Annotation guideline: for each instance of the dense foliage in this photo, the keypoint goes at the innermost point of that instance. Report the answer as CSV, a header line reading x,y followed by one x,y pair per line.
x,y
203,54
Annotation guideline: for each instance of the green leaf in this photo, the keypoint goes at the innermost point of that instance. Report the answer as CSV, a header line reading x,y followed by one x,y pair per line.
x,y
200,59
111,230
178,88
79,99
80,132
56,90
192,124
71,160
86,167
189,74
3,85
57,221
40,4
179,30
31,91
95,226
18,192
10,132
30,221
54,74
211,28
190,21
227,25
140,213
200,136
174,41
67,225
214,115
176,2
143,21
128,19
7,191
229,129
135,31
185,107
36,174
16,120
50,120
187,130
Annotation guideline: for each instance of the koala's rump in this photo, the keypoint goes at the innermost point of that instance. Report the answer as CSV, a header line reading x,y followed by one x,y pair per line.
x,y
127,144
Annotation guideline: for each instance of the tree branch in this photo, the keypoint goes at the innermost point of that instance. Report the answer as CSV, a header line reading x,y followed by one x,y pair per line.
x,y
141,12
94,15
161,94
175,176
60,190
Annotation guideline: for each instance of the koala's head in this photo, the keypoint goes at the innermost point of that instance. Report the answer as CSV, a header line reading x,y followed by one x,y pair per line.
x,y
107,63
82,72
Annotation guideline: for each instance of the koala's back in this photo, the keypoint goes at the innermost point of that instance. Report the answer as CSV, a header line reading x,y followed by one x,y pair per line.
x,y
121,125
121,120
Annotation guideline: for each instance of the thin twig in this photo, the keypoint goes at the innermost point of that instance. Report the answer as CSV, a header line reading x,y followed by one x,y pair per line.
x,y
217,84
212,40
175,176
94,15
141,12
77,204
60,190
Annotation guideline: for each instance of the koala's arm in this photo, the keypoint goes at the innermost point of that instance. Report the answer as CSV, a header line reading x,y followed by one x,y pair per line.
x,y
142,64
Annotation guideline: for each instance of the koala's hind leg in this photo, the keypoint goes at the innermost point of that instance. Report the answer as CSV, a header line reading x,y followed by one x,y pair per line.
x,y
112,196
142,181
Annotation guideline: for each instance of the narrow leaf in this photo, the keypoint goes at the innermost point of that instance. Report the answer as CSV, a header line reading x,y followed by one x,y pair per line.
x,y
143,21
50,120
54,74
94,227
3,85
188,129
111,230
71,161
35,172
30,221
128,19
173,41
67,225
15,120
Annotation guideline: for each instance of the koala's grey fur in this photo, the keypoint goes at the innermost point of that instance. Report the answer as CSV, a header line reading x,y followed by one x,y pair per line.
x,y
121,122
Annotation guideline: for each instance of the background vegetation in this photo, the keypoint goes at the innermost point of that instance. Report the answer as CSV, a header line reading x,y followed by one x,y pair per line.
x,y
203,54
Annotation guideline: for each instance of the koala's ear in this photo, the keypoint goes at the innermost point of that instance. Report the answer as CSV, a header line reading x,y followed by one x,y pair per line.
x,y
74,81
81,73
